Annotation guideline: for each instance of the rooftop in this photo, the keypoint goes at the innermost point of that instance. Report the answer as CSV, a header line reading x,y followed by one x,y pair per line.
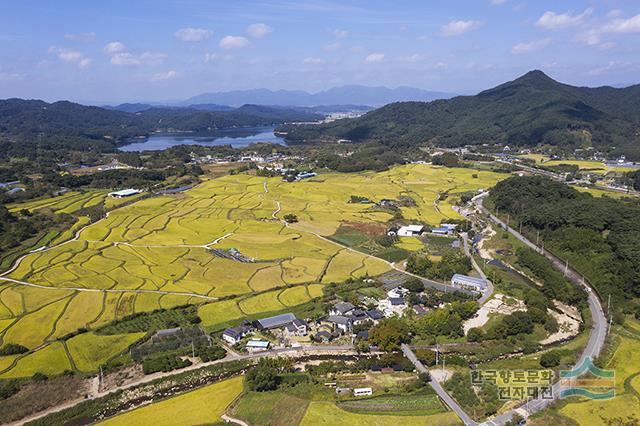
x,y
276,321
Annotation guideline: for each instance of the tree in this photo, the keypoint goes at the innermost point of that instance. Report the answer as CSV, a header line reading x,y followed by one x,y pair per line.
x,y
414,285
290,218
389,334
550,359
475,334
262,378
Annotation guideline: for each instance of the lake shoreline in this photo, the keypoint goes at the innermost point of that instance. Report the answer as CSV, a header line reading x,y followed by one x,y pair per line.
x,y
239,137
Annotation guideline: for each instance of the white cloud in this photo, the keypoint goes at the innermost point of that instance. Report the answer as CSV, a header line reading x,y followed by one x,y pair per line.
x,y
84,63
69,55
532,46
498,2
556,21
313,61
259,30
210,57
114,47
374,58
339,33
416,57
122,57
332,46
612,66
622,26
193,34
83,37
593,36
7,76
233,42
163,76
614,13
456,28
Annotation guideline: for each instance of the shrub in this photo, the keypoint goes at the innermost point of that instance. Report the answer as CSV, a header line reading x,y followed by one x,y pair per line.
x,y
550,359
13,349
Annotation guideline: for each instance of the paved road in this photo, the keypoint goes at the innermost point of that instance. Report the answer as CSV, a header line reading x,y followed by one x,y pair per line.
x,y
598,330
299,351
438,388
467,251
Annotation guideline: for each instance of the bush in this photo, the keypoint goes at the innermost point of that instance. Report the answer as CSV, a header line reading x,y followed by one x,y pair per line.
x,y
12,349
475,334
8,388
39,377
290,218
550,359
263,378
163,363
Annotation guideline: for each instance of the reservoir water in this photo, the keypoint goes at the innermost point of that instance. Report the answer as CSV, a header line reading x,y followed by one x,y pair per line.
x,y
237,138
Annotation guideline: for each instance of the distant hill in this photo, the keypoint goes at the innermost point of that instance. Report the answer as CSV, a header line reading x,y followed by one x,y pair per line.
x,y
344,95
128,107
67,125
531,110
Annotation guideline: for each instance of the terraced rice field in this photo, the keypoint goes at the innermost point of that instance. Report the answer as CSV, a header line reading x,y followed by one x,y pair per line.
x,y
157,252
71,201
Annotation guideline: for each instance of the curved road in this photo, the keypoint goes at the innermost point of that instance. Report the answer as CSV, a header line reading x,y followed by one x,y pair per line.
x,y
598,330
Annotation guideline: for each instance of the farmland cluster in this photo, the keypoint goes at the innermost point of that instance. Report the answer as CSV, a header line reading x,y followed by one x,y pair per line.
x,y
171,250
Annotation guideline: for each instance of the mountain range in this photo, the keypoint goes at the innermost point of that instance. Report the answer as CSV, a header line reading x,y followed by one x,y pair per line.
x,y
343,95
67,125
531,110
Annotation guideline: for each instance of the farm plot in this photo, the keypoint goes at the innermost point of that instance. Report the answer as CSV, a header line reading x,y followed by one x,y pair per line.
x,y
68,202
201,406
157,252
327,413
625,406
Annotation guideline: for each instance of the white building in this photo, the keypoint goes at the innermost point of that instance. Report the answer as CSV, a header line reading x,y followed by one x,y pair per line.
x,y
124,193
392,306
257,346
362,392
398,292
410,231
469,283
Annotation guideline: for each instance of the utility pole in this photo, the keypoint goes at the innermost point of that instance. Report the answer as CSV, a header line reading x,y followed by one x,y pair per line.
x,y
609,304
566,267
437,354
193,349
537,237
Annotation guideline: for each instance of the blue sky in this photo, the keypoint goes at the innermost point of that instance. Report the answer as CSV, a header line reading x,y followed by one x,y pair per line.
x,y
112,51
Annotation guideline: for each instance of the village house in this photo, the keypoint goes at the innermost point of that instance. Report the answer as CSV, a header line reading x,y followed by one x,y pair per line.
x,y
297,327
277,321
342,308
235,334
410,231
339,322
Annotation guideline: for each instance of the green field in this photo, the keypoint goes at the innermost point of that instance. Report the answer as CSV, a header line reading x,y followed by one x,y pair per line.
x,y
201,406
156,252
327,413
270,408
